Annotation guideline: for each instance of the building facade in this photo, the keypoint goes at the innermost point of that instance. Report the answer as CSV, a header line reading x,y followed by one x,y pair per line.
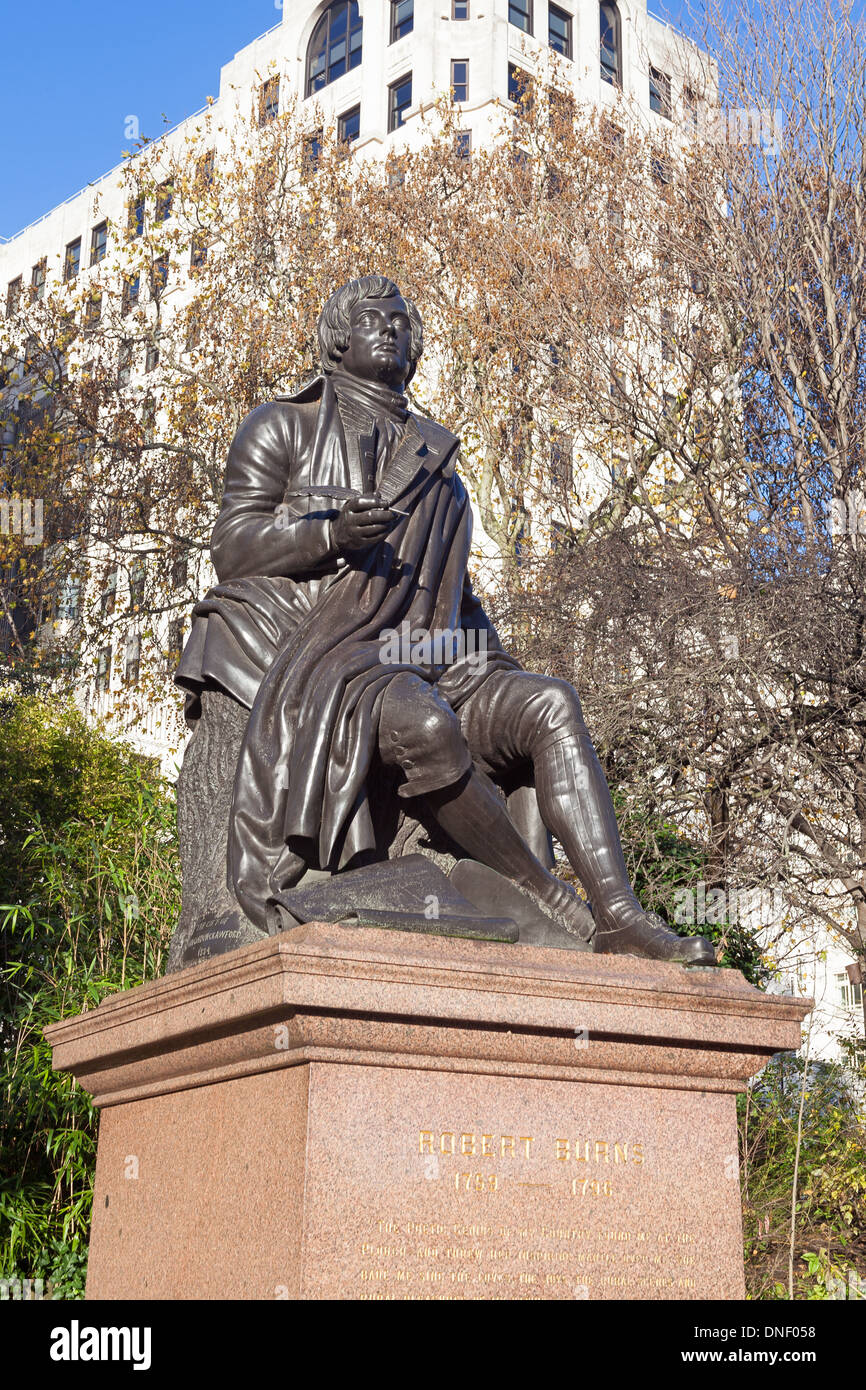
x,y
367,68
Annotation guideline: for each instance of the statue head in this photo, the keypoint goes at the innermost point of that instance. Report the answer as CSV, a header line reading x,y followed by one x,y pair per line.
x,y
369,330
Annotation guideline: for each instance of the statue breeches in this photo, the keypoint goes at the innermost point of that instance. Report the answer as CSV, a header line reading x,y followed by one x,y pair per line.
x,y
508,721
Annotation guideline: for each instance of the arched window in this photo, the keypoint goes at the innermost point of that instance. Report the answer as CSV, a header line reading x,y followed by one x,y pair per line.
x,y
335,46
611,43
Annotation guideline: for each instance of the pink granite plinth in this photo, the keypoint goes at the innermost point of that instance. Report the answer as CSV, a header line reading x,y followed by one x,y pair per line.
x,y
360,1114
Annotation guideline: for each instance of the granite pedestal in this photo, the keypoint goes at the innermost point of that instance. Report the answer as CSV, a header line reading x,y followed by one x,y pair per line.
x,y
364,1114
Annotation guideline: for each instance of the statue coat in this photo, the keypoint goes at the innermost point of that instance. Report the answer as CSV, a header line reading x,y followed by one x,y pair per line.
x,y
294,632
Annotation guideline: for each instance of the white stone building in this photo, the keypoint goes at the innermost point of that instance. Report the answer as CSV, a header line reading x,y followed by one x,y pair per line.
x,y
370,67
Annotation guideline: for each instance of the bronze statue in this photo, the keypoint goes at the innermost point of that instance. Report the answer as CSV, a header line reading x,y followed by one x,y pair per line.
x,y
318,739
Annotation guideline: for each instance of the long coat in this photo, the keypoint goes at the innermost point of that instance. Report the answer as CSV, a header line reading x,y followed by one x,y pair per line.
x,y
294,632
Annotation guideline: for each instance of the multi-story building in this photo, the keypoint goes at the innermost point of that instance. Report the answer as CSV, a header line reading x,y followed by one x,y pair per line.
x,y
369,67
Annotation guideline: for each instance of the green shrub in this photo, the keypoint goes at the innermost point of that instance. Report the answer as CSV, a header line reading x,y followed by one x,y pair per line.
x,y
830,1227
89,889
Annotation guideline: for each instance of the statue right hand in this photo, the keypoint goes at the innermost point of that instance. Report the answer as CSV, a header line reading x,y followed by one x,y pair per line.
x,y
363,522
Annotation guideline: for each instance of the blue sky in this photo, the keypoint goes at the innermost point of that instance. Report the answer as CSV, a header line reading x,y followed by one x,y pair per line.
x,y
73,73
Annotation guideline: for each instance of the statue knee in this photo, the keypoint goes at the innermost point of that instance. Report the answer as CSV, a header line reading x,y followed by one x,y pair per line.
x,y
562,708
420,726
421,734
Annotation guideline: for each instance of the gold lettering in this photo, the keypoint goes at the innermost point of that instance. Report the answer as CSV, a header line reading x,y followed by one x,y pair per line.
x,y
582,1157
486,1150
637,1153
425,1141
527,1140
506,1146
443,1148
620,1153
562,1148
601,1146
467,1145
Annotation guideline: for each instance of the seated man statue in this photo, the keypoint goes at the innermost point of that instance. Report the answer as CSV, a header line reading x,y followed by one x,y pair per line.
x,y
344,521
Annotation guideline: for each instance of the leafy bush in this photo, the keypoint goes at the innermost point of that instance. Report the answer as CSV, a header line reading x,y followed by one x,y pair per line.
x,y
89,889
830,1225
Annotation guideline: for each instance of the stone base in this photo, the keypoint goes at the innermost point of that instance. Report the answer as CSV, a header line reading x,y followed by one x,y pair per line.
x,y
362,1114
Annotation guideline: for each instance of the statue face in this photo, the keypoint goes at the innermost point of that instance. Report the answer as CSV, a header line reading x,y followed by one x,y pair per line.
x,y
379,340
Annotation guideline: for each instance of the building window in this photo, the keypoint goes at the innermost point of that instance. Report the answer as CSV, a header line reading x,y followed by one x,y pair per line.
x,y
335,47
164,201
459,9
691,108
399,101
850,993
193,332
124,364
13,296
135,220
460,79
559,31
132,659
37,279
349,126
69,601
661,170
108,596
137,575
103,669
618,396
463,144
92,313
611,44
402,18
312,148
205,169
98,243
668,336
519,85
151,358
159,276
562,111
520,14
72,259
180,572
269,100
660,93
129,293
198,250
561,461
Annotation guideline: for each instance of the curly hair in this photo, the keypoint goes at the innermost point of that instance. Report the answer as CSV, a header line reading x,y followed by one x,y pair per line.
x,y
333,325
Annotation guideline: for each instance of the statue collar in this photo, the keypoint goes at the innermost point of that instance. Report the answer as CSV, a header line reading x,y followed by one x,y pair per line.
x,y
370,399
439,441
